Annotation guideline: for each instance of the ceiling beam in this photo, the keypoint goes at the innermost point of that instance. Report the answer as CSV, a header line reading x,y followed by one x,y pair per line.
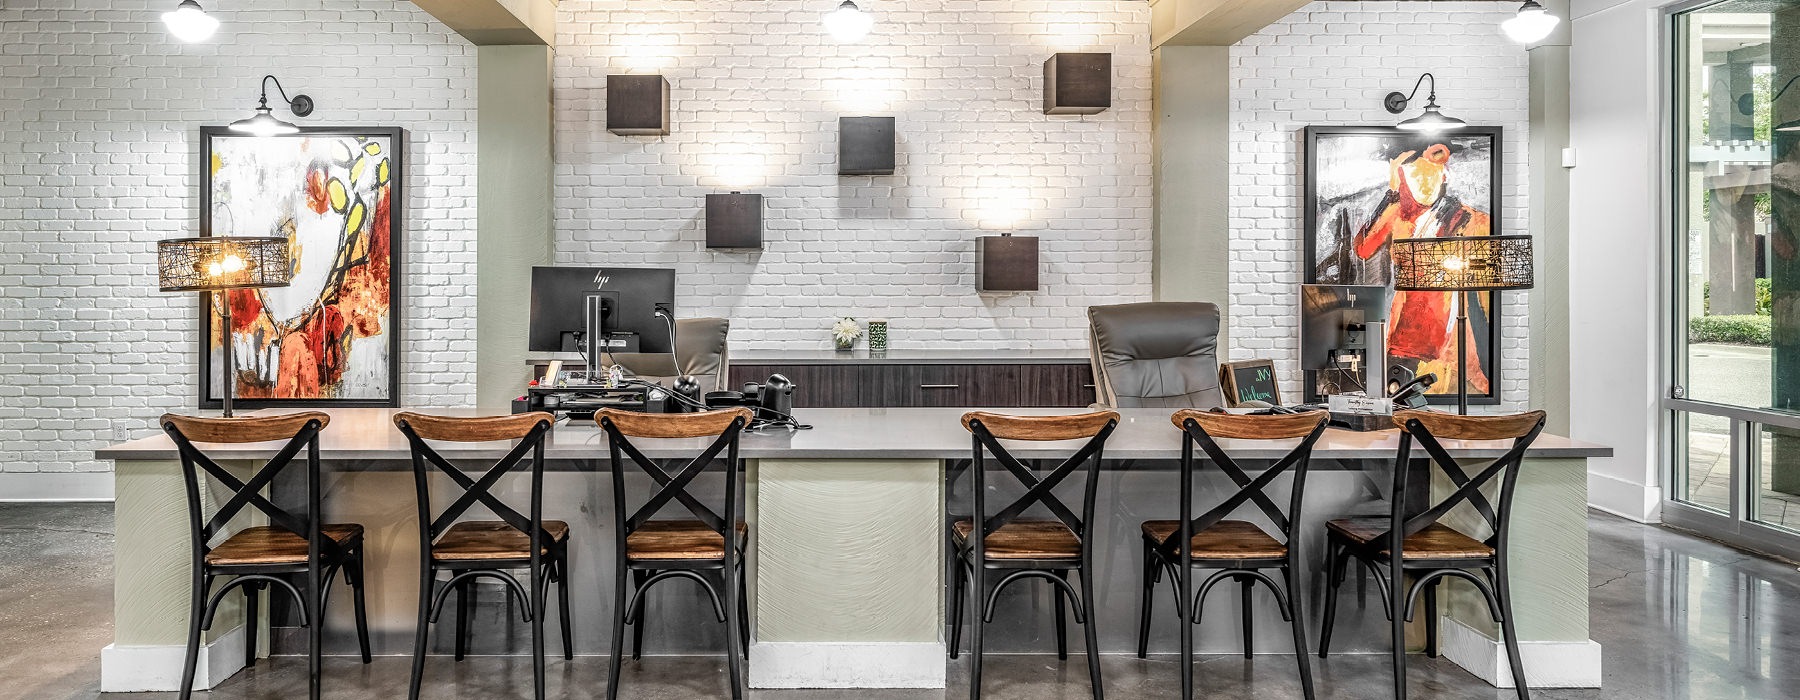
x,y
497,22
1213,22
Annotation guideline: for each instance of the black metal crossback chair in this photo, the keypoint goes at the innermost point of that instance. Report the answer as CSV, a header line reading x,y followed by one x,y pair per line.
x,y
1238,549
1414,543
1029,548
653,551
260,556
471,550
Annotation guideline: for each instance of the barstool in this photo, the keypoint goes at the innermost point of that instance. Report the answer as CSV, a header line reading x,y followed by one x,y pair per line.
x,y
260,556
1238,549
653,551
1413,541
472,550
1029,548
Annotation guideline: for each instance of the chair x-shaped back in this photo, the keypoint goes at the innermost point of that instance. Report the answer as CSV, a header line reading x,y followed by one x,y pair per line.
x,y
248,494
1468,488
1036,490
1250,489
675,487
479,490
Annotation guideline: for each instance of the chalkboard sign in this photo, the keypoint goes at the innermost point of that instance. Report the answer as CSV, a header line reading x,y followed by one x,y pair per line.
x,y
1253,380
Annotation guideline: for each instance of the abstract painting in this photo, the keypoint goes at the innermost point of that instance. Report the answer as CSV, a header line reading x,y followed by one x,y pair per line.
x,y
1365,187
330,338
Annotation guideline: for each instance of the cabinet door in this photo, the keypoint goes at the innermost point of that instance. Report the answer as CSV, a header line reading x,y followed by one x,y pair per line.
x,y
1065,385
971,386
818,386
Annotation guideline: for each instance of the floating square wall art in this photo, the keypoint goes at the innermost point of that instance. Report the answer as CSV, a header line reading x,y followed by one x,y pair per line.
x,y
1366,186
330,338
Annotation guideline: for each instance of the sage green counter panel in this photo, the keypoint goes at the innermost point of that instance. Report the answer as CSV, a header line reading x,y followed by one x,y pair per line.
x,y
849,551
153,556
1549,555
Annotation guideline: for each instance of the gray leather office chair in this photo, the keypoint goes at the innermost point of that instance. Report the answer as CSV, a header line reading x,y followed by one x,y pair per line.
x,y
1155,355
700,350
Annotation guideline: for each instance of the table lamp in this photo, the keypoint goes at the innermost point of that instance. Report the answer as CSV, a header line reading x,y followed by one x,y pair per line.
x,y
1461,265
218,264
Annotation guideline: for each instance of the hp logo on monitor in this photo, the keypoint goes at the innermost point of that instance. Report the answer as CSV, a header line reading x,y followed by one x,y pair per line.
x,y
600,278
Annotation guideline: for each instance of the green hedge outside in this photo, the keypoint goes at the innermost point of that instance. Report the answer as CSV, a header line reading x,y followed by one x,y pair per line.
x,y
1740,330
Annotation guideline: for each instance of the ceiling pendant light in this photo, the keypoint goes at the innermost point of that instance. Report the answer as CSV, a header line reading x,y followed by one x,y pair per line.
x,y
1531,24
848,23
264,123
190,23
1432,121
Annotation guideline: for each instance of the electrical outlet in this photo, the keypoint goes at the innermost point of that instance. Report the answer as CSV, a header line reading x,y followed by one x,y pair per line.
x,y
121,432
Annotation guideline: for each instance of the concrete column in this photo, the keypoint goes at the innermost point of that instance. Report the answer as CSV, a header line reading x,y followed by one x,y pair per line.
x,y
1731,239
1784,239
1549,222
514,220
1192,106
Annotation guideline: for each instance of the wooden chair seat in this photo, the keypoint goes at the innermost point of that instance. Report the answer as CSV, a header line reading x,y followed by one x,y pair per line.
x,y
1436,541
491,539
1226,539
677,540
1026,539
273,545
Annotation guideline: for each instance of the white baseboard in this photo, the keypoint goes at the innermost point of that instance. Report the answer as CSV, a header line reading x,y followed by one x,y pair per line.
x,y
1547,664
847,665
138,669
55,486
1626,499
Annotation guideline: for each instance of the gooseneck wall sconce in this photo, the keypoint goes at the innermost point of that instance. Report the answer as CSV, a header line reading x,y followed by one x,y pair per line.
x,y
1432,120
190,23
848,23
264,122
1531,24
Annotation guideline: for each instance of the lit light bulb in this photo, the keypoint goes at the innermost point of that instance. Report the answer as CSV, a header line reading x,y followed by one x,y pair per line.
x,y
214,269
1455,263
190,23
233,263
848,23
1531,24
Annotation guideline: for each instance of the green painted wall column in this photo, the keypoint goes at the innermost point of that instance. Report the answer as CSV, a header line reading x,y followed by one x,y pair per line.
x,y
1191,101
514,219
1549,223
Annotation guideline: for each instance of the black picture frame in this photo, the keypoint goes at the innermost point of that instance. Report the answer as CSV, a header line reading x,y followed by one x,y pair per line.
x,y
1481,324
396,245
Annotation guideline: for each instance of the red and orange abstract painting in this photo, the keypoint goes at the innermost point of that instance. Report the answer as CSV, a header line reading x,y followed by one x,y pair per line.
x,y
330,337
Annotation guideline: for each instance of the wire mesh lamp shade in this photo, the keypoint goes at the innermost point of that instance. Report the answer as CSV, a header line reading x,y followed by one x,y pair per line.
x,y
222,262
1463,264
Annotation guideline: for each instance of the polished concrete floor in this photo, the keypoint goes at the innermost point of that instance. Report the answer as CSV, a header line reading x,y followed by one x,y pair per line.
x,y
1679,617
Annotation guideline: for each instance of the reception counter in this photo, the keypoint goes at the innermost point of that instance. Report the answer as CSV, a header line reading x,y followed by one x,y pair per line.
x,y
847,567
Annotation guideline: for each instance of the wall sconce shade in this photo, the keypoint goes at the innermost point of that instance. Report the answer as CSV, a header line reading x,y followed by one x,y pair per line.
x,y
865,145
188,22
734,220
848,23
637,105
1006,263
1531,24
1078,83
1462,264
222,262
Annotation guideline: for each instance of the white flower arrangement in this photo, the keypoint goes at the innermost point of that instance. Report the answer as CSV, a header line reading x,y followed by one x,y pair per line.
x,y
846,331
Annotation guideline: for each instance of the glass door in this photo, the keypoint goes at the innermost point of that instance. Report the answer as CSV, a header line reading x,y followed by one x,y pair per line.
x,y
1733,407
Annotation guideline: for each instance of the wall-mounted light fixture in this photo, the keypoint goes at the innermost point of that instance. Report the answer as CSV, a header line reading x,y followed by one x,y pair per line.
x,y
734,220
848,23
190,23
264,123
637,105
1531,24
1432,120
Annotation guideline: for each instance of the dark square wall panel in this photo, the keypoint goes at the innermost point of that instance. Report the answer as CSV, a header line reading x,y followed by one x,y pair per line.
x,y
865,145
1078,83
734,220
637,105
1006,263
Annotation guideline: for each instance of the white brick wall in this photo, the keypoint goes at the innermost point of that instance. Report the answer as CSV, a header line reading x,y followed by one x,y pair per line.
x,y
1330,63
757,88
99,159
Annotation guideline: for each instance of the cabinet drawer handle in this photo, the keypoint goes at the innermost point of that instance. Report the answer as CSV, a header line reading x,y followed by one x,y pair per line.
x,y
1087,386
939,386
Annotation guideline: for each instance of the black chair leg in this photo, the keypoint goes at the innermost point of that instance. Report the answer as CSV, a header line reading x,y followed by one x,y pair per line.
x,y
465,608
743,608
421,633
1431,619
251,611
1397,616
734,652
196,613
353,574
1146,602
1245,583
1089,629
315,630
618,635
1334,576
959,590
537,633
977,591
1510,632
1298,622
638,577
1184,608
562,608
1062,618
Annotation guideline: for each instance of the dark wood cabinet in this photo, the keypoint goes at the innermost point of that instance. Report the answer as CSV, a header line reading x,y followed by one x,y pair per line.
x,y
901,385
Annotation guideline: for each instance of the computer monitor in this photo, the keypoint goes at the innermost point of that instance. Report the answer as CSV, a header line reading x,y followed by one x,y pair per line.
x,y
623,302
1333,319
